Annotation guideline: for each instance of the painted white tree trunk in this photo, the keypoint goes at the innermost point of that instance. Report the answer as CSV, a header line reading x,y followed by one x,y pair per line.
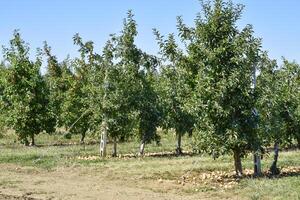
x,y
103,139
257,152
104,125
32,140
142,149
142,146
257,163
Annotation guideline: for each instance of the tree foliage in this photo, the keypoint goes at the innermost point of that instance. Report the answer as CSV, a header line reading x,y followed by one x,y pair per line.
x,y
176,83
3,100
26,92
223,100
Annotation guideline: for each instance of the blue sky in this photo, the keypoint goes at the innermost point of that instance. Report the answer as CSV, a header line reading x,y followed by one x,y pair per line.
x,y
56,21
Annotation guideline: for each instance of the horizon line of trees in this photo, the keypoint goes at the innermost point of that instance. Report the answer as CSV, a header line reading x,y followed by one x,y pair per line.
x,y
220,87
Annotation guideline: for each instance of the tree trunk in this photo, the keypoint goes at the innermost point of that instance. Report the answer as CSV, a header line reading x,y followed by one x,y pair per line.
x,y
178,144
104,125
257,152
257,162
26,142
237,162
103,138
142,147
82,138
114,152
298,141
273,169
32,140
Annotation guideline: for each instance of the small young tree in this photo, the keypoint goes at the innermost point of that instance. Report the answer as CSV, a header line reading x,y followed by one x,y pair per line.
x,y
289,93
139,68
148,103
116,116
76,108
279,105
175,89
109,102
123,96
111,98
26,91
57,84
3,100
106,90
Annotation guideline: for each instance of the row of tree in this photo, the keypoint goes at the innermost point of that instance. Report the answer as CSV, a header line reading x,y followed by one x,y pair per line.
x,y
216,84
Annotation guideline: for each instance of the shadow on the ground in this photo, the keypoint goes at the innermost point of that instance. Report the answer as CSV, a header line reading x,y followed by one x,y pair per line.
x,y
15,197
165,154
63,144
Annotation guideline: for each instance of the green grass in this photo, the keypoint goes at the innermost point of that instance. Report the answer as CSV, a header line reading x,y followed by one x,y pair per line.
x,y
55,150
283,188
172,168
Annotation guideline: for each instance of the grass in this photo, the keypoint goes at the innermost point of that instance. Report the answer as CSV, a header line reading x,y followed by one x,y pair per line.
x,y
185,170
283,188
8,183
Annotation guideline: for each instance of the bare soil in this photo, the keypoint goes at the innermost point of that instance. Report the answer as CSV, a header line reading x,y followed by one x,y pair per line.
x,y
80,183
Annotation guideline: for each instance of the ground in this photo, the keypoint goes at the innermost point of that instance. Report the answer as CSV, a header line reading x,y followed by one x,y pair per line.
x,y
61,169
71,183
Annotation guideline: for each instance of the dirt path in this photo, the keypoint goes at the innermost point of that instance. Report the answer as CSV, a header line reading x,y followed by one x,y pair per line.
x,y
74,183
